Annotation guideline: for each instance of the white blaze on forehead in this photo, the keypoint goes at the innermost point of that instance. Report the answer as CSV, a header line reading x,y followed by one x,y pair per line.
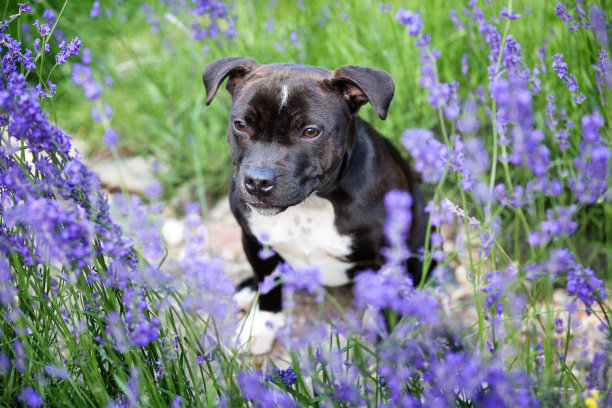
x,y
284,95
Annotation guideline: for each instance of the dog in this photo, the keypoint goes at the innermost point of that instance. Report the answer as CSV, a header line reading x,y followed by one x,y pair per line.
x,y
309,175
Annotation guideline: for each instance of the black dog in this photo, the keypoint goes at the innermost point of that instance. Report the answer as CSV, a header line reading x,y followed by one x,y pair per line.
x,y
310,175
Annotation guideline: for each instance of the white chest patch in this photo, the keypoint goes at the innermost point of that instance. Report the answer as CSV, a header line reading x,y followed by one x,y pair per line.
x,y
304,235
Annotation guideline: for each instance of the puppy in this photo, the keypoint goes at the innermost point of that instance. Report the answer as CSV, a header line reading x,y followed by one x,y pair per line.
x,y
309,175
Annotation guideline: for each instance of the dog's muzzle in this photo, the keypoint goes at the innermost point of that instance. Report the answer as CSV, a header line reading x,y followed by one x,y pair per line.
x,y
259,181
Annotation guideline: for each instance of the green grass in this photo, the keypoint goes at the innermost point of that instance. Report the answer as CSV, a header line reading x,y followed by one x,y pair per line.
x,y
158,92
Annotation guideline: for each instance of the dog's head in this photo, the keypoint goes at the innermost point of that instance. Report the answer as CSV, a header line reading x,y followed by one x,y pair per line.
x,y
291,126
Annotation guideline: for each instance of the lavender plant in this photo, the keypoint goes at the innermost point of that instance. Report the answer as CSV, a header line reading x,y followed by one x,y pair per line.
x,y
516,149
87,320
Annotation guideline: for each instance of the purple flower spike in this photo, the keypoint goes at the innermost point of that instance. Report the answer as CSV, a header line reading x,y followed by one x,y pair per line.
x,y
43,29
24,7
582,283
30,397
569,80
95,9
110,138
599,24
68,51
410,19
509,14
429,154
49,15
287,377
590,183
82,75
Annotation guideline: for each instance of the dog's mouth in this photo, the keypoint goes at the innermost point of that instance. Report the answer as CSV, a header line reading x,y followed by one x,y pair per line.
x,y
266,209
272,205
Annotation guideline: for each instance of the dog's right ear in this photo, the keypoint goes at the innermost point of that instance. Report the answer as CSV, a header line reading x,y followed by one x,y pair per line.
x,y
233,67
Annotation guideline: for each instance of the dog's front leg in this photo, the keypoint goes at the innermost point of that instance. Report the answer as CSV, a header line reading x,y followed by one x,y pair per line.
x,y
263,320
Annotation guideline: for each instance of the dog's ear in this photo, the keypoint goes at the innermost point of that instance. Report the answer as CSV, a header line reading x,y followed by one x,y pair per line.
x,y
361,84
233,67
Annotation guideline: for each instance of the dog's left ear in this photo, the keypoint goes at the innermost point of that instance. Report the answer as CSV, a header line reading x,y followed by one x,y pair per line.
x,y
236,68
362,84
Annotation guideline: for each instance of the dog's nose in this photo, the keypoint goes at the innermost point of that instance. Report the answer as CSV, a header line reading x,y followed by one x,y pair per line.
x,y
259,181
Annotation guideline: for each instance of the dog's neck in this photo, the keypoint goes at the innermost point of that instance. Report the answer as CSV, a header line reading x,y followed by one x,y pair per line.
x,y
348,159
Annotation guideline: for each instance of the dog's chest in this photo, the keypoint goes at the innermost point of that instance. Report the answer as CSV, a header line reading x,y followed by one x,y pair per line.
x,y
305,234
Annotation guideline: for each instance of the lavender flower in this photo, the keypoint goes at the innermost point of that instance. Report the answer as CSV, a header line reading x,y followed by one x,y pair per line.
x,y
177,402
49,15
256,391
599,24
493,289
568,79
144,331
30,397
603,71
562,13
61,231
24,7
265,253
454,17
600,368
582,283
452,108
67,51
95,9
100,117
285,377
591,180
269,283
378,290
509,14
82,75
398,204
46,94
5,363
493,38
559,261
385,7
110,138
392,289
57,372
8,291
410,19
464,64
43,29
512,55
210,290
307,278
37,46
429,154
463,374
468,122
559,325
214,13
559,66
13,56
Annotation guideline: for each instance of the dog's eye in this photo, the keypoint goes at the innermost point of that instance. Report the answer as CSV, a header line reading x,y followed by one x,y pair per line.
x,y
311,132
240,126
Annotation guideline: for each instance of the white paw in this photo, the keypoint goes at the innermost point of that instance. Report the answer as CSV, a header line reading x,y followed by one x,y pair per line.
x,y
244,297
258,329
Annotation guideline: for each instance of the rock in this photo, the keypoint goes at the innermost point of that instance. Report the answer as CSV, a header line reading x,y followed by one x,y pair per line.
x,y
135,173
225,239
221,211
173,231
